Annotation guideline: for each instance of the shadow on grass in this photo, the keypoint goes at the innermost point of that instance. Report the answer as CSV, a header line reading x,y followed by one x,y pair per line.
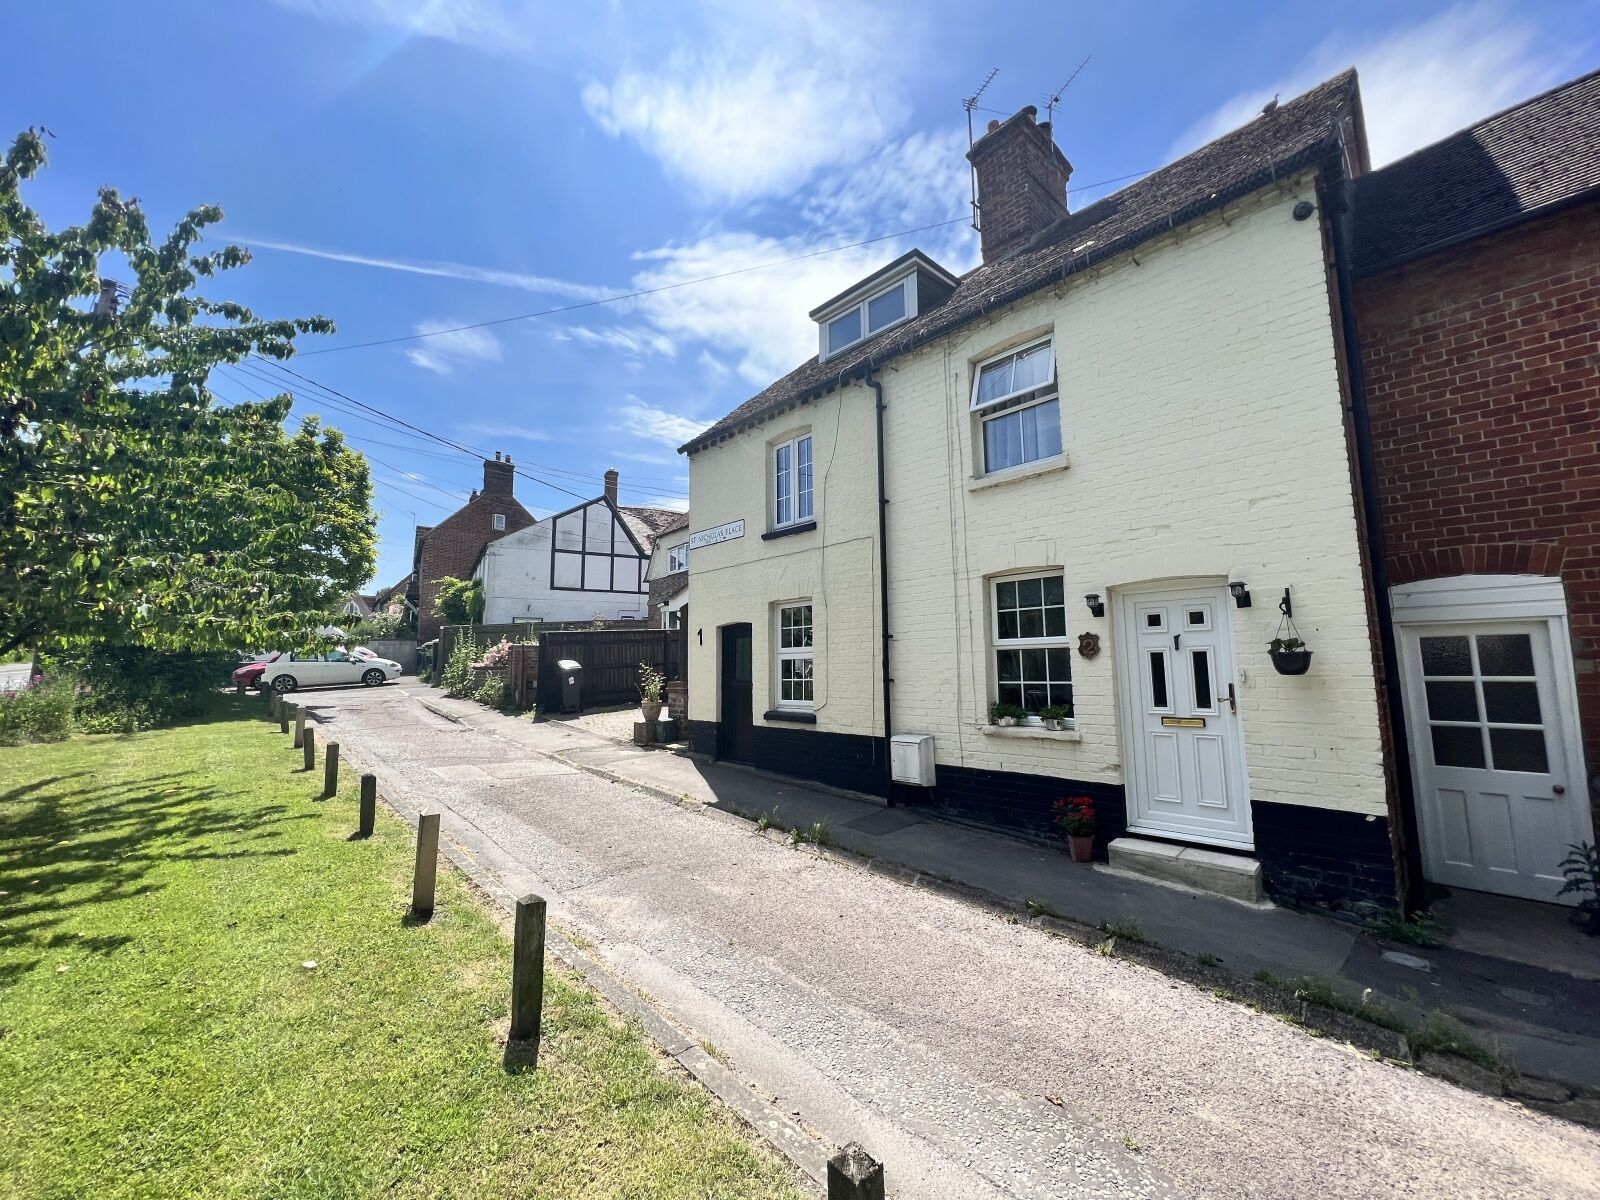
x,y
521,1058
69,843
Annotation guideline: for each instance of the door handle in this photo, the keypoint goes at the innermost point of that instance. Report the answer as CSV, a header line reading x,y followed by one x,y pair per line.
x,y
1560,789
1233,702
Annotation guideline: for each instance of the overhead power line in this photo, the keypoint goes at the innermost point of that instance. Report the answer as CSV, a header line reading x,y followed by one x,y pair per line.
x,y
349,406
464,448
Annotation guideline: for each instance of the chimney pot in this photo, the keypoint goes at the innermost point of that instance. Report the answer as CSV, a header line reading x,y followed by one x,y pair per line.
x,y
1022,182
611,485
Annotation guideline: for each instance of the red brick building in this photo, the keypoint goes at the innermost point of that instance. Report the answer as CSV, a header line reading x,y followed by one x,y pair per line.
x,y
452,547
1478,304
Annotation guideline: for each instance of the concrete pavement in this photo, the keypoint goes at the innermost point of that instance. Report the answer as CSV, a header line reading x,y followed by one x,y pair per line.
x,y
974,1056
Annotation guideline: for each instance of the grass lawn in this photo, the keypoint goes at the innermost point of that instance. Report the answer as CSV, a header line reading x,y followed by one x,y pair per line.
x,y
160,1035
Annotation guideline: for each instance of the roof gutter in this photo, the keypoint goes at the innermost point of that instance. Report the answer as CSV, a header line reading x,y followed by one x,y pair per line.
x,y
1341,212
883,582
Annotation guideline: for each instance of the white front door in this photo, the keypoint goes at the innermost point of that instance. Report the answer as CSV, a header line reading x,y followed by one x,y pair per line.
x,y
1497,803
1183,746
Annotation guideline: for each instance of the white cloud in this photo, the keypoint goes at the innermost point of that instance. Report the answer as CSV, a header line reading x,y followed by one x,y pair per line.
x,y
657,424
756,320
487,24
444,270
629,340
658,460
670,503
449,347
495,430
752,99
714,366
1422,82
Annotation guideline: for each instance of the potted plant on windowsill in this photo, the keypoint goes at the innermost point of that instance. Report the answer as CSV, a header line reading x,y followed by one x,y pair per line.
x,y
1055,716
651,681
1289,656
1075,816
1006,715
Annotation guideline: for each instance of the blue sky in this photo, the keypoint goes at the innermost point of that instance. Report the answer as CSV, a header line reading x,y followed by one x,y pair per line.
x,y
406,166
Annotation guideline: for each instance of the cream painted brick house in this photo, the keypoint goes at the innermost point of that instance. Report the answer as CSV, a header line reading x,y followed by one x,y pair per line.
x,y
1105,456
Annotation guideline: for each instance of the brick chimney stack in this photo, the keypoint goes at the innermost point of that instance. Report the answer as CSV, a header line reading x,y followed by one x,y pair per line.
x,y
498,476
611,485
1022,182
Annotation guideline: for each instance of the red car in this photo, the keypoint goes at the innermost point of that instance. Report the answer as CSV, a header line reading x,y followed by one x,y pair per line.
x,y
249,674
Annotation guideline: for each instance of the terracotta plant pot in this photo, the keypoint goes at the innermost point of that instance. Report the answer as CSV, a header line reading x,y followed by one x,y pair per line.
x,y
1082,847
652,711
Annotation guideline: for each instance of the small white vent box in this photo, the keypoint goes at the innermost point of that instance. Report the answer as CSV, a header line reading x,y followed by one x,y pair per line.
x,y
911,758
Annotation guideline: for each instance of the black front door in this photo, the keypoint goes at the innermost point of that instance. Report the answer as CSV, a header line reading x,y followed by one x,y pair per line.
x,y
736,735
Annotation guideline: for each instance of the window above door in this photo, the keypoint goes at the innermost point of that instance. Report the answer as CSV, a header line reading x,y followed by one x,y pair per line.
x,y
1017,407
793,500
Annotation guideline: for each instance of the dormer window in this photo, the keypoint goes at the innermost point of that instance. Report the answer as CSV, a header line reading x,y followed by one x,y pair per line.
x,y
898,291
876,312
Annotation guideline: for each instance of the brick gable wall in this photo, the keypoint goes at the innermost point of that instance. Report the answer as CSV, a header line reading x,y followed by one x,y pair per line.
x,y
1483,380
452,548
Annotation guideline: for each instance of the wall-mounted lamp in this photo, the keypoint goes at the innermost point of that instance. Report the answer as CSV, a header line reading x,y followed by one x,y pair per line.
x,y
1240,594
1096,607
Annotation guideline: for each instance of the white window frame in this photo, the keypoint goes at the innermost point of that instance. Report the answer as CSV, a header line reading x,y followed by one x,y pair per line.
x,y
997,643
498,521
1018,400
678,558
796,517
860,307
995,360
782,654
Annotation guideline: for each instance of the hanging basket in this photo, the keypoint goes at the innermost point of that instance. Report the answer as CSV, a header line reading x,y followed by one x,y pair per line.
x,y
1291,662
1294,659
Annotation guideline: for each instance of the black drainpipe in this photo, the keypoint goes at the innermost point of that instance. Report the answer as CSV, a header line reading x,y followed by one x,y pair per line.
x,y
883,584
1341,209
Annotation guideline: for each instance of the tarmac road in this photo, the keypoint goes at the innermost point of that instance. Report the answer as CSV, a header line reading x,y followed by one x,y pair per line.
x,y
974,1057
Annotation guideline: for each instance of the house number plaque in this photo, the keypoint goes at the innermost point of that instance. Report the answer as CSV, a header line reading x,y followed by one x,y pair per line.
x,y
1183,722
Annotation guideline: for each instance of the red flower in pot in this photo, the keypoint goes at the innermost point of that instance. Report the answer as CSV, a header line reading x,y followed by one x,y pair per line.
x,y
1075,815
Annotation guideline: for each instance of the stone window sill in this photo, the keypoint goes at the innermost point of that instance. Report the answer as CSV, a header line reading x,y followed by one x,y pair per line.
x,y
1031,731
788,714
1017,474
789,530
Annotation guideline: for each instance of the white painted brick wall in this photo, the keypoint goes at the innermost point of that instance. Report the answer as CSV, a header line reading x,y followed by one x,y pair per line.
x,y
1202,420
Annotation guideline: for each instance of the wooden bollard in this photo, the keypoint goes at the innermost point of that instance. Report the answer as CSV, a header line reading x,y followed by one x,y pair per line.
x,y
527,971
330,771
299,725
310,747
427,872
283,716
853,1174
273,701
369,805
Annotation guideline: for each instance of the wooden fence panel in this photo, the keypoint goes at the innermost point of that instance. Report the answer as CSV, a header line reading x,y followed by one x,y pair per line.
x,y
610,659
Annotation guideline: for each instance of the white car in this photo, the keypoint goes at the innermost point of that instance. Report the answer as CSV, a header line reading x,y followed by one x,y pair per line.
x,y
318,668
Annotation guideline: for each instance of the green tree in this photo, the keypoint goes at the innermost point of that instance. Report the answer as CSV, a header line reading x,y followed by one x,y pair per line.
x,y
134,507
460,601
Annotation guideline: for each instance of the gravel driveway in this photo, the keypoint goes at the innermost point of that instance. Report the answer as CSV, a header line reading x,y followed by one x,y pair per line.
x,y
976,1058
